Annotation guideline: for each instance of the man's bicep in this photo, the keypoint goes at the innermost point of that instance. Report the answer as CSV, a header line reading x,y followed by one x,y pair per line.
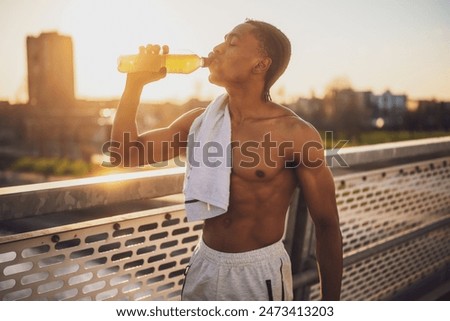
x,y
166,143
318,188
159,144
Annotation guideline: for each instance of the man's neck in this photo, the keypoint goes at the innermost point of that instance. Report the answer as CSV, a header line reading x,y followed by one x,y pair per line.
x,y
245,104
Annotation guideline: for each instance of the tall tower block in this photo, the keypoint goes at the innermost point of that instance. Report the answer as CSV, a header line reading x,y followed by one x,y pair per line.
x,y
50,70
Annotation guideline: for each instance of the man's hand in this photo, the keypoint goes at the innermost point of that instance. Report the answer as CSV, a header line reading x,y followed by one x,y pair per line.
x,y
151,55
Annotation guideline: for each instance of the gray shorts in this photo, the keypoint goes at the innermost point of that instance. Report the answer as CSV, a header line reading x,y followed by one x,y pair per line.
x,y
259,275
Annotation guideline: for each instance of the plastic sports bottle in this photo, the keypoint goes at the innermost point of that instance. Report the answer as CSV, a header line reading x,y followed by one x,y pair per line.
x,y
174,63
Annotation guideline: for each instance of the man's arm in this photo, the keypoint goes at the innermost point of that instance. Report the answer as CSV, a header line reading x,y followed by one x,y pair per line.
x,y
127,146
317,184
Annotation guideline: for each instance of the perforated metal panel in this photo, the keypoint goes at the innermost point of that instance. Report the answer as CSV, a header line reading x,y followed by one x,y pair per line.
x,y
386,273
137,259
381,205
143,255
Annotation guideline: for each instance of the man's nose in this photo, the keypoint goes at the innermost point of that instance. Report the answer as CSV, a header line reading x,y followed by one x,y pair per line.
x,y
218,49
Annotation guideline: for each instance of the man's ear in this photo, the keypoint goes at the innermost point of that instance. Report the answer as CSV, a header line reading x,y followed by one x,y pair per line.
x,y
263,65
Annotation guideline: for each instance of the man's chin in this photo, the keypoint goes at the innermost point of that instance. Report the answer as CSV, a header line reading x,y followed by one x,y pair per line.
x,y
213,80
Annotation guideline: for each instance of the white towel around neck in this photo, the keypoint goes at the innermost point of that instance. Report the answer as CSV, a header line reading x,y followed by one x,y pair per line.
x,y
208,168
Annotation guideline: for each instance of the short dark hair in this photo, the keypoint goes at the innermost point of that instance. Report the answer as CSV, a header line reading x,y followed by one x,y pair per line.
x,y
277,46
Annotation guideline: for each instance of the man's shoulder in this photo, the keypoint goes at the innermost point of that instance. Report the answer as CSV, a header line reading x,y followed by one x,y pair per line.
x,y
303,138
293,122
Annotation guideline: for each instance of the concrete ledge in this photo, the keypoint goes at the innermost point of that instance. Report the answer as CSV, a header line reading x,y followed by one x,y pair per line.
x,y
44,198
368,154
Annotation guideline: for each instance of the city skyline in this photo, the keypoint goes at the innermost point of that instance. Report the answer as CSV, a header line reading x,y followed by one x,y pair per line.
x,y
401,46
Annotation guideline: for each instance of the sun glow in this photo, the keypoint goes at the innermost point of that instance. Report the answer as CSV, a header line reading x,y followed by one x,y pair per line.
x,y
101,38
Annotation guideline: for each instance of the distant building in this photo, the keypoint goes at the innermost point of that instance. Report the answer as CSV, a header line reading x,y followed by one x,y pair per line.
x,y
390,110
389,102
352,111
50,70
433,115
53,123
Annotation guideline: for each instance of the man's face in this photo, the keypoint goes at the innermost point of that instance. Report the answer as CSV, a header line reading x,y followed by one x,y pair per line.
x,y
234,59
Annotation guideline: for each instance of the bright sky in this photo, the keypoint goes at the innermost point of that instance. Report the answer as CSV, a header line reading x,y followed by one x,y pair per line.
x,y
401,45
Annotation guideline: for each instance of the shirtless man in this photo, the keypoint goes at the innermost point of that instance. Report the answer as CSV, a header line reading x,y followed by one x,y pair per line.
x,y
240,256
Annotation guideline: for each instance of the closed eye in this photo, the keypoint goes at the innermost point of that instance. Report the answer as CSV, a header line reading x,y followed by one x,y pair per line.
x,y
232,39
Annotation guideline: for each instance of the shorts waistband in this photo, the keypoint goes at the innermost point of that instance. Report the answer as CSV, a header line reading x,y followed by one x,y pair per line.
x,y
273,251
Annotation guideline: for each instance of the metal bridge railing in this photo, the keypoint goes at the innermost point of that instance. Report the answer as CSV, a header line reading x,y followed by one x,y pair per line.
x,y
394,204
394,208
395,224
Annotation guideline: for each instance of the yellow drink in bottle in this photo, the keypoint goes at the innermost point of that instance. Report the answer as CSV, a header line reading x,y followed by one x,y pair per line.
x,y
174,63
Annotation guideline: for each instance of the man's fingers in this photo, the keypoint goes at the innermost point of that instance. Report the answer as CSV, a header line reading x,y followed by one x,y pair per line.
x,y
154,49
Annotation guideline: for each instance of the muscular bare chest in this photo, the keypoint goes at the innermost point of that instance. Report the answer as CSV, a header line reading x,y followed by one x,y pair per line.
x,y
259,151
